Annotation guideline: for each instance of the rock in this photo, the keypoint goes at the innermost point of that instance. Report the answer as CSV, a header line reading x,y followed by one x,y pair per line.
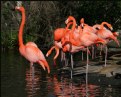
x,y
116,57
110,70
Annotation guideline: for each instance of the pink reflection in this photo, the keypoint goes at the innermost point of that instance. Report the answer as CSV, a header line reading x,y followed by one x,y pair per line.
x,y
65,88
32,85
93,90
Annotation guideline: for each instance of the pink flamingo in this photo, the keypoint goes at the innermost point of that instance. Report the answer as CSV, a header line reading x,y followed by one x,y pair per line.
x,y
30,51
106,35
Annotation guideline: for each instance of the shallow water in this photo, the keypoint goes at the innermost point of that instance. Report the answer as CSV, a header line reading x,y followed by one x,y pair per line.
x,y
16,81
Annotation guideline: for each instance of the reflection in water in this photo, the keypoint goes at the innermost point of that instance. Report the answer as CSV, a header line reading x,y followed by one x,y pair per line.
x,y
32,85
67,88
16,81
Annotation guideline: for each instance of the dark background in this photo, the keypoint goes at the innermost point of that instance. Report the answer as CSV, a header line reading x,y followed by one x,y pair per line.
x,y
43,17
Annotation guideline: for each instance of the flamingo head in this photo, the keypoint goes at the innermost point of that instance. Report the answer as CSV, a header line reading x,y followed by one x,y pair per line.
x,y
116,34
69,19
110,26
19,8
82,22
66,22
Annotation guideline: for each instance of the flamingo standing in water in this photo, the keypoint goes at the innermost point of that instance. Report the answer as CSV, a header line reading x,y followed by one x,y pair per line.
x,y
87,28
58,34
30,51
80,38
58,42
107,35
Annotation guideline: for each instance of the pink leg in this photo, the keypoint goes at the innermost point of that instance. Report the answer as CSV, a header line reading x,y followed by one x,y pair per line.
x,y
92,52
32,67
82,56
71,65
106,49
101,50
87,73
61,55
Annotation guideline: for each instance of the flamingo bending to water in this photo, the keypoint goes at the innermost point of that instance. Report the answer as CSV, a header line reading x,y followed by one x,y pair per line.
x,y
30,51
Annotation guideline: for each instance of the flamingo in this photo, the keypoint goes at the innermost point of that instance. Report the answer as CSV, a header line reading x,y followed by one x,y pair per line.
x,y
58,43
71,39
58,37
87,39
70,47
106,35
30,51
87,28
58,34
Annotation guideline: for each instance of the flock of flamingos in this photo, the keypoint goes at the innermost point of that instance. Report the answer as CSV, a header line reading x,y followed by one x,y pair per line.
x,y
74,39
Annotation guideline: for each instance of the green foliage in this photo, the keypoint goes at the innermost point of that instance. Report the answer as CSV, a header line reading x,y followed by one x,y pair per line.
x,y
43,17
9,41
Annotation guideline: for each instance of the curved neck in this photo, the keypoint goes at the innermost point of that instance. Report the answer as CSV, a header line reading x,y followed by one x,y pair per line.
x,y
70,23
102,24
67,27
21,29
74,25
96,26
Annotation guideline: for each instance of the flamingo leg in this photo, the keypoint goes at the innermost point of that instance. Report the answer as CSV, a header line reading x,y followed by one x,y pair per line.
x,y
100,50
62,55
71,66
82,56
32,67
87,73
66,62
95,53
92,52
64,58
106,49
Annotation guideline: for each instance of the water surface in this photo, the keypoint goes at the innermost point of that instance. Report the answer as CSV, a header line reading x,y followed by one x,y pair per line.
x,y
16,81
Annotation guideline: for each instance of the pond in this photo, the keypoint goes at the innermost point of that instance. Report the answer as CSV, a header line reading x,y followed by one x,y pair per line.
x,y
16,81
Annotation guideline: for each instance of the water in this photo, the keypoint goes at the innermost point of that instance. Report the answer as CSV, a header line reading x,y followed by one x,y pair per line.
x,y
16,81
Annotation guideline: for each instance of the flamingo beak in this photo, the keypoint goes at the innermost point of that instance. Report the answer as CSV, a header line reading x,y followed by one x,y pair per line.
x,y
115,39
17,7
66,21
116,34
82,25
111,28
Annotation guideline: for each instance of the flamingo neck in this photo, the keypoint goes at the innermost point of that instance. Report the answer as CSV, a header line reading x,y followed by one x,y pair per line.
x,y
67,27
74,25
21,29
73,28
70,23
102,24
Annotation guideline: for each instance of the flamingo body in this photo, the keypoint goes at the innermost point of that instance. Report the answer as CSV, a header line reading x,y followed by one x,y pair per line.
x,y
30,51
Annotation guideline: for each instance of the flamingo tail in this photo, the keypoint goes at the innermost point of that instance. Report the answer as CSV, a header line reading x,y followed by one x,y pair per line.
x,y
100,40
41,63
46,65
115,39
